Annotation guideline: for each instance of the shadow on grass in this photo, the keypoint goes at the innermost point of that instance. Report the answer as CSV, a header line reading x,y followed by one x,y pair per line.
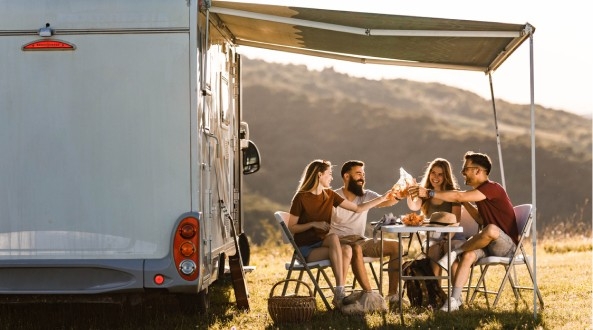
x,y
165,312
473,318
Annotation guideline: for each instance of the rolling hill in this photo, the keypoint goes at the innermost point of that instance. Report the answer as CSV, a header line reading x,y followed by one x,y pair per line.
x,y
296,115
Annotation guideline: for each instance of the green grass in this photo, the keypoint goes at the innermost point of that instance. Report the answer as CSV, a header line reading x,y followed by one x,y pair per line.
x,y
565,280
564,277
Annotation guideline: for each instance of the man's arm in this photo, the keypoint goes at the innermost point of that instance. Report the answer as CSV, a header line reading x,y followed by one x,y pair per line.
x,y
473,195
389,202
393,199
348,205
458,196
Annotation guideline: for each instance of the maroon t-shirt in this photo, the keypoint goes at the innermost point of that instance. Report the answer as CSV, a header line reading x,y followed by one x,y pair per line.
x,y
497,209
310,207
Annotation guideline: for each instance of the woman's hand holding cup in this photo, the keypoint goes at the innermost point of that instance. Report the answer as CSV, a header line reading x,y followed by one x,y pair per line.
x,y
412,189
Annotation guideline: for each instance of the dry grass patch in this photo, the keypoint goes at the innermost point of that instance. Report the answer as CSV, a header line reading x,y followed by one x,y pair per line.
x,y
575,244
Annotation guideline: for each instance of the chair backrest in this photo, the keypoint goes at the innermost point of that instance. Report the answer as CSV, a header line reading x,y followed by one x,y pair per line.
x,y
287,237
523,215
282,218
470,226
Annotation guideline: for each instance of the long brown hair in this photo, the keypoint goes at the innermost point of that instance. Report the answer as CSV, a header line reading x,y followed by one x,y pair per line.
x,y
309,178
450,182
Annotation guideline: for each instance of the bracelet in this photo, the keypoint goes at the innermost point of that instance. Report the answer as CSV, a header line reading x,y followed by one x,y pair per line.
x,y
431,193
398,199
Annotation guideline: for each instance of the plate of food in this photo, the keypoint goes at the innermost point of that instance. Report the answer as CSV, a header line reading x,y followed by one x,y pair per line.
x,y
413,219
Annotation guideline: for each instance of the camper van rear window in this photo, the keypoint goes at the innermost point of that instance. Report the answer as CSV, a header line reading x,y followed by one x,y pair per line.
x,y
48,45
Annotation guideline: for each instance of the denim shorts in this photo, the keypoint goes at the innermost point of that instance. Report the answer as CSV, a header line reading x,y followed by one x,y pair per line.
x,y
306,250
503,246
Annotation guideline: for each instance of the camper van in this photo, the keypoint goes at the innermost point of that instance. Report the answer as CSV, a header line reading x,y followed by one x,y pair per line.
x,y
122,142
122,151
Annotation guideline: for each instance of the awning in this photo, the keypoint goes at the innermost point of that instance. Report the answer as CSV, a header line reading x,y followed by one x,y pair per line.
x,y
372,38
385,39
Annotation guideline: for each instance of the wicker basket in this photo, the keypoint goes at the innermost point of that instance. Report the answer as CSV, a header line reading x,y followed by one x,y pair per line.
x,y
285,309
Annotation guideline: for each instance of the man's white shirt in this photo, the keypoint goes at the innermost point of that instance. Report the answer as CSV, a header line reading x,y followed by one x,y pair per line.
x,y
345,222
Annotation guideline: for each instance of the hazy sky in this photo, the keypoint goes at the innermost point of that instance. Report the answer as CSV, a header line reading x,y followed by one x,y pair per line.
x,y
563,50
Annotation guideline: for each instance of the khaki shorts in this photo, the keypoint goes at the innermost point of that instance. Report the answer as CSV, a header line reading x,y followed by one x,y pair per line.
x,y
372,249
503,246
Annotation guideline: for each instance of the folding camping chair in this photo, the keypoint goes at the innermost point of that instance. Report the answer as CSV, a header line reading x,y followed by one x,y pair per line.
x,y
520,257
300,265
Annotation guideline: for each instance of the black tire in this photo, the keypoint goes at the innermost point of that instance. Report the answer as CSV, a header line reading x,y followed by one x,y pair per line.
x,y
203,300
221,265
244,249
194,303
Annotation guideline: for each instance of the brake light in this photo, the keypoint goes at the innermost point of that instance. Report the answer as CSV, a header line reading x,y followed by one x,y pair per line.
x,y
187,231
186,248
46,44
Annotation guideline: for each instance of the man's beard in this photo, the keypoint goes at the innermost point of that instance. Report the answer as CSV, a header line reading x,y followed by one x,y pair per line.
x,y
355,188
466,180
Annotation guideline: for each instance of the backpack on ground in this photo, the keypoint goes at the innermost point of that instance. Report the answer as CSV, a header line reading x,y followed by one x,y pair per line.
x,y
423,293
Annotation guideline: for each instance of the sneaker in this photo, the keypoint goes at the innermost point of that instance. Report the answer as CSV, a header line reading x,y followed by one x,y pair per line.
x,y
393,301
352,298
443,261
453,302
338,299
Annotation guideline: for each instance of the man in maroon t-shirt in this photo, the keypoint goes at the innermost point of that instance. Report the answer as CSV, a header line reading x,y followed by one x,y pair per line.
x,y
494,212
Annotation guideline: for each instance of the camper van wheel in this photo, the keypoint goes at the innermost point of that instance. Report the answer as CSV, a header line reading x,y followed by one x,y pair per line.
x,y
203,300
221,265
244,248
192,303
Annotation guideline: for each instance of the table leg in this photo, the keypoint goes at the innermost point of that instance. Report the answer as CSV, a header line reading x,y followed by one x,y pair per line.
x,y
400,285
448,271
381,268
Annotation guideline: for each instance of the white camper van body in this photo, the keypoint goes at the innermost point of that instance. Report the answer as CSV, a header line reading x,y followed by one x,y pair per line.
x,y
120,123
121,140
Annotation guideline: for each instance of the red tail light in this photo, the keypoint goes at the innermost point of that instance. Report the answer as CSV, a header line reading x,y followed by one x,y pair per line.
x,y
159,279
48,45
186,248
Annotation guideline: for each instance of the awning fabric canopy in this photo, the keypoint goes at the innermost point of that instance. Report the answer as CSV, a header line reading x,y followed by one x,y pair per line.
x,y
373,38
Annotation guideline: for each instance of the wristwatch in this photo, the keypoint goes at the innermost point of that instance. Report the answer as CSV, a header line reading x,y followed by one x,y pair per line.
x,y
431,193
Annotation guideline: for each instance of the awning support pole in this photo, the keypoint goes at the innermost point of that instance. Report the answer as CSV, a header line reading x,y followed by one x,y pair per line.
x,y
533,174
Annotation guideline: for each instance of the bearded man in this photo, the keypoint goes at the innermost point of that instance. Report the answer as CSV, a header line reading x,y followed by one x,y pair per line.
x,y
350,227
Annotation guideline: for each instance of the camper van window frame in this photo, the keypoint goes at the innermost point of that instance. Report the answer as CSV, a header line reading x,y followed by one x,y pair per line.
x,y
225,104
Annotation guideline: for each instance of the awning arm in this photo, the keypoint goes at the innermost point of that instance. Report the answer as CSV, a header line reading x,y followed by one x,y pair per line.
x,y
497,132
526,33
365,31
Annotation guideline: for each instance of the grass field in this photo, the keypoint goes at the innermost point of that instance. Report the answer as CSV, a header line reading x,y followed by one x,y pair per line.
x,y
564,271
565,280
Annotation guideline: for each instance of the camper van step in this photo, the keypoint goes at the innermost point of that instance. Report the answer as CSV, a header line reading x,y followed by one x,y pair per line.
x,y
246,269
